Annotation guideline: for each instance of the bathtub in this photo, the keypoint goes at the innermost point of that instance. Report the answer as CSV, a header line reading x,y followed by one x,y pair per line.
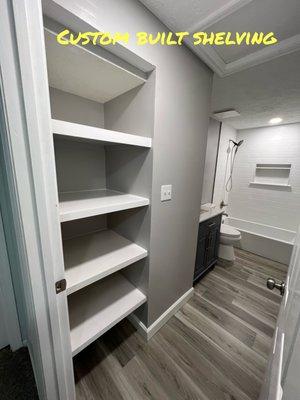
x,y
264,240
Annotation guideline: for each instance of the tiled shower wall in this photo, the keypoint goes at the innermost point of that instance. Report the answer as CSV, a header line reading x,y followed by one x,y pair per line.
x,y
279,207
227,133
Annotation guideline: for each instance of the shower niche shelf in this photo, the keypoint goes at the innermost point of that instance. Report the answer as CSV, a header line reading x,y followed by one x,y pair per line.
x,y
272,175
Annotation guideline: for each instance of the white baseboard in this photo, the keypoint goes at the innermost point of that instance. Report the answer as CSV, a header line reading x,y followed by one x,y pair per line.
x,y
147,333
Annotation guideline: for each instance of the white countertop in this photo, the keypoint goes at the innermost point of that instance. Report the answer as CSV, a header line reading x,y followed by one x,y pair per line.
x,y
204,215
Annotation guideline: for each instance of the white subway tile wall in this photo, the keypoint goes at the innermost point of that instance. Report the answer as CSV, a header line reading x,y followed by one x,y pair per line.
x,y
279,207
227,133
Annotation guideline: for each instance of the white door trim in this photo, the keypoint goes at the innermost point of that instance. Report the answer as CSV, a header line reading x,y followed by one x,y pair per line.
x,y
29,158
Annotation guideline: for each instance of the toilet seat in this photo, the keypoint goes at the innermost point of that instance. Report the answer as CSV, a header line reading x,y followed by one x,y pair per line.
x,y
229,231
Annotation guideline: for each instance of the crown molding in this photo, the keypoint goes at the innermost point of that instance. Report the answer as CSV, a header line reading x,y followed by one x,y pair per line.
x,y
266,54
216,16
209,55
212,59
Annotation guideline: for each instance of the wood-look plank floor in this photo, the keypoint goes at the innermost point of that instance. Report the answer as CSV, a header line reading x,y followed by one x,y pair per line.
x,y
215,348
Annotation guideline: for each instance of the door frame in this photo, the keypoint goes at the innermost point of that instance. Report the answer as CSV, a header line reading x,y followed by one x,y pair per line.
x,y
27,147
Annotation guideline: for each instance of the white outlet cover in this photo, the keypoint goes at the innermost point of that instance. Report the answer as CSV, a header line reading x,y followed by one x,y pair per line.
x,y
166,192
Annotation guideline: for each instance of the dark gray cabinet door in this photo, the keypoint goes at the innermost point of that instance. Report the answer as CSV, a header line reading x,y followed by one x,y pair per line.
x,y
201,256
213,243
207,246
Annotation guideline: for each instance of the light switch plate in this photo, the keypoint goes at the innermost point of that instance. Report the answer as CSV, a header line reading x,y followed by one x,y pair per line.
x,y
166,192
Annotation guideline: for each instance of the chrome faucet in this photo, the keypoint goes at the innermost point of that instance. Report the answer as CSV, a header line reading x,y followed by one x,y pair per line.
x,y
223,204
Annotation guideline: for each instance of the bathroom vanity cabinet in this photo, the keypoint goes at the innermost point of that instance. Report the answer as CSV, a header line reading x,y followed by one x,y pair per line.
x,y
207,246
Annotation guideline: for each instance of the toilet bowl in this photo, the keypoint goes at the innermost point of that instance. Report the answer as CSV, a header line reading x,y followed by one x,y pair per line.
x,y
228,237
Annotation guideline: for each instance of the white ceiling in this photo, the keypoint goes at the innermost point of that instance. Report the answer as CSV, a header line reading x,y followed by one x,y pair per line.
x,y
278,16
260,93
259,82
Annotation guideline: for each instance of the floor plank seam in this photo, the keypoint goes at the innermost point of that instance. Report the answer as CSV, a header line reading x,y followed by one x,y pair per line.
x,y
214,348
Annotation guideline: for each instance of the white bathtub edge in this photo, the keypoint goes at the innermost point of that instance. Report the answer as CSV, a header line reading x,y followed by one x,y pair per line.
x,y
275,249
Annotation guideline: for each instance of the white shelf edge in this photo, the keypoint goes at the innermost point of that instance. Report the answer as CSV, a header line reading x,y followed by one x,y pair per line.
x,y
89,271
96,278
73,68
88,207
118,285
275,168
86,132
270,184
98,52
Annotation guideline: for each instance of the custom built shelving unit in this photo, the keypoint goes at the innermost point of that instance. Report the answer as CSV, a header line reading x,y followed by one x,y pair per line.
x,y
102,121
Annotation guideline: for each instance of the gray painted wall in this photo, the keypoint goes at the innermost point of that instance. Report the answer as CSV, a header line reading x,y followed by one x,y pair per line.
x,y
129,169
72,108
182,98
210,161
79,165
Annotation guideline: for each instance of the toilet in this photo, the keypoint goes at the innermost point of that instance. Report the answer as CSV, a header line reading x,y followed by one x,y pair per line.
x,y
228,237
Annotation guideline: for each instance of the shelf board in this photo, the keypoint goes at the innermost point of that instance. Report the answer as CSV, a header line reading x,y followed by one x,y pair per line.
x,y
76,205
82,71
92,257
275,168
98,307
271,184
85,132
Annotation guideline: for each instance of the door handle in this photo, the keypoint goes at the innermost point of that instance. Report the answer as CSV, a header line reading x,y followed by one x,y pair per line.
x,y
271,284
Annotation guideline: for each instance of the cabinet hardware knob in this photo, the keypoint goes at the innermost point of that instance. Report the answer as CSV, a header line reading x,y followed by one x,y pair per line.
x,y
271,284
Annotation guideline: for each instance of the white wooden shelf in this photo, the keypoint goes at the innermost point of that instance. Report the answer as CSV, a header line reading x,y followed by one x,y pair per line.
x,y
81,71
98,307
85,132
92,257
270,184
275,168
76,205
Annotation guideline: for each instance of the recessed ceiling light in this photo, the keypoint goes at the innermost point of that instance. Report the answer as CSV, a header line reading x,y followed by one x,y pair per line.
x,y
275,120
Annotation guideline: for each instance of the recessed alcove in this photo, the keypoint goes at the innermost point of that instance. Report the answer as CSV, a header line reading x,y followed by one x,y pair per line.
x,y
272,175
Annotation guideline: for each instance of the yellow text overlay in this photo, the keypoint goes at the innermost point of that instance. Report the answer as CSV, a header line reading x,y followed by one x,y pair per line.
x,y
66,38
